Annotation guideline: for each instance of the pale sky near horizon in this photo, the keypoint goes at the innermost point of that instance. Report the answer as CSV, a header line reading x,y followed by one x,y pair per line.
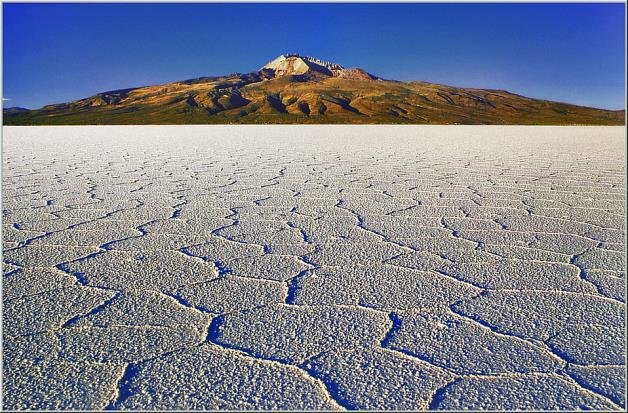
x,y
573,53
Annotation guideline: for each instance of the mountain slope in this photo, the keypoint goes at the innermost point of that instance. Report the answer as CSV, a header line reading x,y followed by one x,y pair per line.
x,y
299,89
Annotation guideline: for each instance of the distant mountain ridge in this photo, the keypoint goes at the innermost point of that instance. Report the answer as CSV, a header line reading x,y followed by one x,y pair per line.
x,y
300,89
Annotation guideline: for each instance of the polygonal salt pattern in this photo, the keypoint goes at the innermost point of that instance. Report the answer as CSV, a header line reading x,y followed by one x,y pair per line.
x,y
326,268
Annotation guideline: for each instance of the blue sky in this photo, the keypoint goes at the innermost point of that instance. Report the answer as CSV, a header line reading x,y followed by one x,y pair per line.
x,y
567,52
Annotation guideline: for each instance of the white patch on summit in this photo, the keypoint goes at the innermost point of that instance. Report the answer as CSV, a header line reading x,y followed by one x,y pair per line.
x,y
294,64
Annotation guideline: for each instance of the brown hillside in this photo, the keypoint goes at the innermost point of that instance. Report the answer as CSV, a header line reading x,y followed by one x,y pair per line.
x,y
297,89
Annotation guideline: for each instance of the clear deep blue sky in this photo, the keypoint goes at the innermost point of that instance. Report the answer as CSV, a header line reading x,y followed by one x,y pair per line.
x,y
566,52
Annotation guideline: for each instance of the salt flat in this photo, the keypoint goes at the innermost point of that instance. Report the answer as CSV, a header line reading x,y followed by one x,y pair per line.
x,y
318,267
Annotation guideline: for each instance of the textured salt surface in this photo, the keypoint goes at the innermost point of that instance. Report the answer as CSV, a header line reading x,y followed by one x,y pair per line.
x,y
318,267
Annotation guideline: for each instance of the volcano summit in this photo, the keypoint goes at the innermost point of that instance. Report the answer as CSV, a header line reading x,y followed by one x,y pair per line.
x,y
300,89
311,68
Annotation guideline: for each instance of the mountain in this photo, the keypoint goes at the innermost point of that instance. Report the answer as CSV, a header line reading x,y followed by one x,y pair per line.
x,y
14,110
301,89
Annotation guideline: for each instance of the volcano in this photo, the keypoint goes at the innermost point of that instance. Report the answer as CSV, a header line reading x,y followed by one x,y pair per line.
x,y
299,89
